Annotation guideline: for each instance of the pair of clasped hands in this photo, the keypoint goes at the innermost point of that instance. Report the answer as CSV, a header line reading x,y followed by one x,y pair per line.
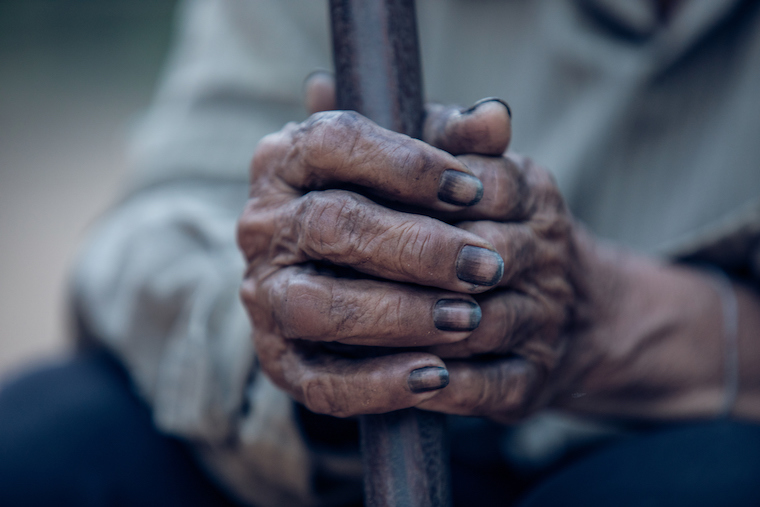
x,y
455,256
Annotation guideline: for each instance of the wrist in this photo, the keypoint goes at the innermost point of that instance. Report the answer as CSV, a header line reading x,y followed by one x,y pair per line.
x,y
647,340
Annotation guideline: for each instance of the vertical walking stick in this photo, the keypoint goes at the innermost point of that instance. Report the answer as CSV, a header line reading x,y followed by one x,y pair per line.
x,y
378,74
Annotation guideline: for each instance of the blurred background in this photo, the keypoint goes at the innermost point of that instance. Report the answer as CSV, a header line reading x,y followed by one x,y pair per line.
x,y
74,76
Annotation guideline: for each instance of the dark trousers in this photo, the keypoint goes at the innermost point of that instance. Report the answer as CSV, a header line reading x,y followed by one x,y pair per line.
x,y
75,434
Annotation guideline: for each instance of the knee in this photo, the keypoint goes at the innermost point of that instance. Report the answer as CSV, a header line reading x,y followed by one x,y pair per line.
x,y
60,427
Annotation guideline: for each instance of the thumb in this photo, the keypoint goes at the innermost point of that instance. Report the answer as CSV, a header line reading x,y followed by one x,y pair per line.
x,y
483,129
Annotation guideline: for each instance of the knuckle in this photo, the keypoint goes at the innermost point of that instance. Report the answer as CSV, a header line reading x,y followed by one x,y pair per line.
x,y
541,180
318,309
508,181
551,261
345,314
559,295
521,251
273,356
413,244
544,189
521,316
554,227
266,231
249,292
252,237
269,152
296,304
511,318
454,134
330,223
436,118
517,206
323,139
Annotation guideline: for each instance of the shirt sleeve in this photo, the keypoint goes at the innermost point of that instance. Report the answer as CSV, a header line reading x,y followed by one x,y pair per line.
x,y
157,282
731,244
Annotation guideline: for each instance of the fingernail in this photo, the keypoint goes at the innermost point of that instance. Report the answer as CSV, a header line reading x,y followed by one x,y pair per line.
x,y
456,315
429,378
459,188
479,266
486,100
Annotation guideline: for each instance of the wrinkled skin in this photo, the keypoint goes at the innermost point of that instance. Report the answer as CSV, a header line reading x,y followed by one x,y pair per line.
x,y
494,313
463,264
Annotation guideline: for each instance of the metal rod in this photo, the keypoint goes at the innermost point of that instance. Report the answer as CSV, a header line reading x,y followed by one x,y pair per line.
x,y
378,74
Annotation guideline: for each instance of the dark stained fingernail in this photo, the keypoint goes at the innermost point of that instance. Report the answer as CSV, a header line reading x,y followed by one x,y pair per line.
x,y
459,188
479,266
486,100
456,315
429,378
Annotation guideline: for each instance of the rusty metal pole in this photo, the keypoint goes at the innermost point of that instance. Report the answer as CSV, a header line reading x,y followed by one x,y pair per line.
x,y
378,74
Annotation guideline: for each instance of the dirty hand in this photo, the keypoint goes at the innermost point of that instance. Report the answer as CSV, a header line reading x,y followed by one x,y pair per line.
x,y
450,251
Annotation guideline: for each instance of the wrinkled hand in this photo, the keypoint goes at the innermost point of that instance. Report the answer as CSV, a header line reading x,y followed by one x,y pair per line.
x,y
357,235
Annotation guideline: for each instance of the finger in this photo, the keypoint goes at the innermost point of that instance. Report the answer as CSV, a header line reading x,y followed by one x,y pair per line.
x,y
483,129
526,247
515,189
319,91
347,229
306,305
508,319
328,383
339,148
516,243
505,189
502,389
